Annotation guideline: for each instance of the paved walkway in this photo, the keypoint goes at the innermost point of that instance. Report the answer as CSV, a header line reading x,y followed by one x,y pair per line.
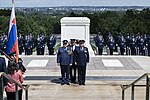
x,y
105,74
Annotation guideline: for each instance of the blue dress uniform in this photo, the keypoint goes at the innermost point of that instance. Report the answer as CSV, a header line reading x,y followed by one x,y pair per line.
x,y
64,58
148,47
73,67
127,43
133,45
20,44
43,39
121,43
27,45
2,69
3,42
51,41
38,45
82,58
99,42
31,42
111,44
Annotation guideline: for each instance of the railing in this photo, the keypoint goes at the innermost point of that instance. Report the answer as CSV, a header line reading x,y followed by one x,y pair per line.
x,y
125,87
24,87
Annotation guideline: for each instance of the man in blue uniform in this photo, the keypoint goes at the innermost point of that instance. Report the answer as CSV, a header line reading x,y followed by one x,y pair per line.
x,y
73,67
2,69
43,43
99,42
111,43
82,58
27,45
51,41
133,45
64,59
20,43
127,43
38,45
121,43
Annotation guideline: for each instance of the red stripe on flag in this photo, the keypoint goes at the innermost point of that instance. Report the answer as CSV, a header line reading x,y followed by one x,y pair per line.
x,y
14,21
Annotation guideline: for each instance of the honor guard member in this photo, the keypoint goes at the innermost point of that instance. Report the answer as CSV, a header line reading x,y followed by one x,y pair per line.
x,y
133,45
111,44
31,44
99,42
121,43
141,46
51,42
64,59
74,66
82,58
127,43
27,45
3,42
43,39
38,45
20,44
2,69
148,47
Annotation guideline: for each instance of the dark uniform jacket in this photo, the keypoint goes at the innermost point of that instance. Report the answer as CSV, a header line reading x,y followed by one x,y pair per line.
x,y
3,65
82,56
64,56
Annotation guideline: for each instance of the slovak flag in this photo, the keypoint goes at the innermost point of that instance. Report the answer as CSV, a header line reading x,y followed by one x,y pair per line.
x,y
12,43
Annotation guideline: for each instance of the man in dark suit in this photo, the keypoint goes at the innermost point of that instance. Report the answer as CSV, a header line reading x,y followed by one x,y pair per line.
x,y
73,67
64,59
2,69
82,58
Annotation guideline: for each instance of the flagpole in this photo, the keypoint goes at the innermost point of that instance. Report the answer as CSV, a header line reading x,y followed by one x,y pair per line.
x,y
13,2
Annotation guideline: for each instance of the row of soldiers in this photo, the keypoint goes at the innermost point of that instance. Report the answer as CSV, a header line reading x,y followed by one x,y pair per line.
x,y
129,44
71,57
27,43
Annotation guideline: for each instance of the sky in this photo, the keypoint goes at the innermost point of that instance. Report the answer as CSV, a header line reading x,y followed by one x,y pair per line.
x,y
53,3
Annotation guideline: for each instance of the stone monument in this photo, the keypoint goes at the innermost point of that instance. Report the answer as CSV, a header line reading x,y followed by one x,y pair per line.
x,y
76,28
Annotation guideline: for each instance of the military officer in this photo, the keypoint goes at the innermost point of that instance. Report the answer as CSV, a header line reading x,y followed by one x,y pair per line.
x,y
74,66
20,44
64,59
38,45
82,58
51,41
43,39
111,44
121,43
127,43
2,69
31,44
27,45
99,42
133,45
3,42
148,47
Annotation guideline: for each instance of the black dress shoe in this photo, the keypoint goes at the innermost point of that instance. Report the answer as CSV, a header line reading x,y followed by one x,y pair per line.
x,y
83,83
68,83
80,84
62,83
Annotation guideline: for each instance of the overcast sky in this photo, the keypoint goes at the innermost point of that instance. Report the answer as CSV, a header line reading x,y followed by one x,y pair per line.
x,y
52,3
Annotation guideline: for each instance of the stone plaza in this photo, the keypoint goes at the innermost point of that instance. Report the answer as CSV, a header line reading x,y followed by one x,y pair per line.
x,y
105,74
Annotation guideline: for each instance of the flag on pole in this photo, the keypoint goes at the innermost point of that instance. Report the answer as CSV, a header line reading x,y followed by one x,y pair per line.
x,y
12,43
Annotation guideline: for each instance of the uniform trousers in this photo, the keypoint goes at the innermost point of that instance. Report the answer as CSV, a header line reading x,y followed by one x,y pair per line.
x,y
65,73
73,73
81,74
